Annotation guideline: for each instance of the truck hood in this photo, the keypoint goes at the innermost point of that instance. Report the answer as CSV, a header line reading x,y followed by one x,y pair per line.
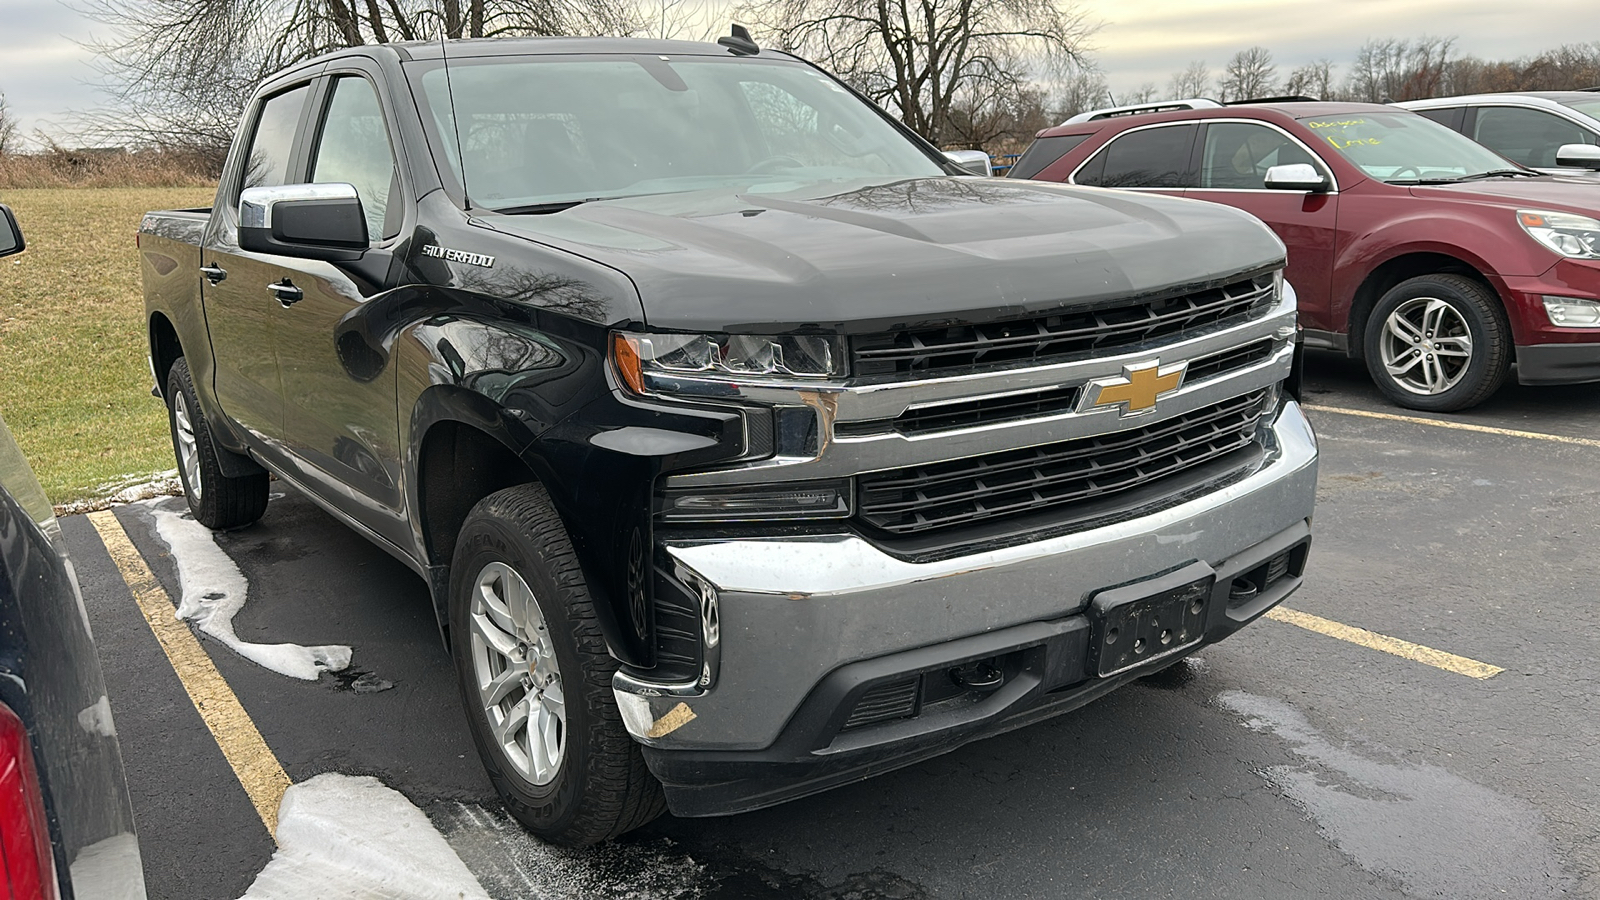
x,y
861,257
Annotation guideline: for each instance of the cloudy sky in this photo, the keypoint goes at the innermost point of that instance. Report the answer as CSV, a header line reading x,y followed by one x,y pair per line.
x,y
47,74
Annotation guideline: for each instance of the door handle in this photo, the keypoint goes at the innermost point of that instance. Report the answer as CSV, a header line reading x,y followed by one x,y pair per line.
x,y
214,273
286,293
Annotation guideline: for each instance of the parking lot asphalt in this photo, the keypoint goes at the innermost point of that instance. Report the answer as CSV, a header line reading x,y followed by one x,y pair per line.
x,y
1280,763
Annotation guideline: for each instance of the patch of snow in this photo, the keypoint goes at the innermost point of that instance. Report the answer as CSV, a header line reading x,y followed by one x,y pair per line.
x,y
97,718
344,837
127,489
109,870
510,862
214,591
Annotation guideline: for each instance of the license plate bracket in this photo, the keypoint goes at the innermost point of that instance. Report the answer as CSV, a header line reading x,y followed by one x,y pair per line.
x,y
1148,620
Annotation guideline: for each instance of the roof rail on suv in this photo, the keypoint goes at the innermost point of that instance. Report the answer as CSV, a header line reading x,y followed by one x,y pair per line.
x,y
1287,98
1136,109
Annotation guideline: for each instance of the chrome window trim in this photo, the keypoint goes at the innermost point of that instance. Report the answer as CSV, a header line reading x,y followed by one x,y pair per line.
x,y
1073,178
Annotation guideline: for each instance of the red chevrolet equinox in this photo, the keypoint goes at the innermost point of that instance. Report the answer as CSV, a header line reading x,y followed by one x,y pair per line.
x,y
1433,259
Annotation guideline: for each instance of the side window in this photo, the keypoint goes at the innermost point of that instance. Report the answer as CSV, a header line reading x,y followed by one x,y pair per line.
x,y
1527,136
1154,157
1237,155
1448,116
354,148
272,143
1042,152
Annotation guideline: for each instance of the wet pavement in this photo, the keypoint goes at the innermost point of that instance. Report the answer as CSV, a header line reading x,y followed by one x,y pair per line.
x,y
1281,763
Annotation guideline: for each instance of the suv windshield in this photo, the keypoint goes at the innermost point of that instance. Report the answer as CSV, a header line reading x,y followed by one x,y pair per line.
x,y
1587,106
1405,148
538,133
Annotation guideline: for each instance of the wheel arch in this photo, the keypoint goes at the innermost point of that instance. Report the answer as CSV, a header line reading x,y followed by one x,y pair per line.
x,y
165,348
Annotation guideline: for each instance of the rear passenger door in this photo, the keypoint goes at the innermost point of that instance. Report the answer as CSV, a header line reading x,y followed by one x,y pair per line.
x,y
1151,158
338,384
1233,161
241,315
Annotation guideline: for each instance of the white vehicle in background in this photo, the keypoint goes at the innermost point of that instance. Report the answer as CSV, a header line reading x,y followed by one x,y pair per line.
x,y
1553,131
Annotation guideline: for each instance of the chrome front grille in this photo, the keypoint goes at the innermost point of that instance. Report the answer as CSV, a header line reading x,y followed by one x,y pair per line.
x,y
923,352
928,498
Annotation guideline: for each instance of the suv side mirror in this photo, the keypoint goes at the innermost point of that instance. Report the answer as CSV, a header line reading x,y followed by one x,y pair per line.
x,y
1578,156
307,221
1296,177
975,162
10,233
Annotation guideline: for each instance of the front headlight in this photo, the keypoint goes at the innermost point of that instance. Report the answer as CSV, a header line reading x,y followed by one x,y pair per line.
x,y
1570,235
734,357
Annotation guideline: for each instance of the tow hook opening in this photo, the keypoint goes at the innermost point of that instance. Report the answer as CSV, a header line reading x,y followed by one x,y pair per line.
x,y
983,675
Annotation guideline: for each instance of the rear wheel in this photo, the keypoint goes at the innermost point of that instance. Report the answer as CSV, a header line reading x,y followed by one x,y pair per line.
x,y
535,676
1438,343
216,500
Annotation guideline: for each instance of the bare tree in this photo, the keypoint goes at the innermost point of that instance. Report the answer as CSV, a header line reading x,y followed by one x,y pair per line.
x,y
1145,93
1194,81
10,141
1314,79
1376,74
688,20
1081,91
180,71
1249,73
928,59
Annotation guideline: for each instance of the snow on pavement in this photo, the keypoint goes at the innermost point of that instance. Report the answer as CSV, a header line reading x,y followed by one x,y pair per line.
x,y
214,591
347,837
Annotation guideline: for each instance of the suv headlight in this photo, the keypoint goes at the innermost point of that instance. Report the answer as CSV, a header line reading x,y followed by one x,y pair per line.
x,y
731,357
1568,234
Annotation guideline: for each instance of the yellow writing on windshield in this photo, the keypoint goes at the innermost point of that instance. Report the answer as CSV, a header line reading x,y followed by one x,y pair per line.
x,y
1351,142
1339,124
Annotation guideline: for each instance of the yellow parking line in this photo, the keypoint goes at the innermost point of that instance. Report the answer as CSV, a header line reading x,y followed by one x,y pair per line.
x,y
1458,426
1439,659
258,770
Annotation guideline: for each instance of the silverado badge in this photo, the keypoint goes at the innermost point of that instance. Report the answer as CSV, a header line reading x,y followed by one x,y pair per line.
x,y
1136,390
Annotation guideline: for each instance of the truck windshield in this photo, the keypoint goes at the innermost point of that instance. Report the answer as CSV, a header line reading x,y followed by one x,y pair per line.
x,y
1405,148
538,132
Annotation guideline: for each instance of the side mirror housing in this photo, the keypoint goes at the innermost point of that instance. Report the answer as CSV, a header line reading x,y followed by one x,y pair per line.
x,y
1296,177
1578,156
306,221
976,162
11,241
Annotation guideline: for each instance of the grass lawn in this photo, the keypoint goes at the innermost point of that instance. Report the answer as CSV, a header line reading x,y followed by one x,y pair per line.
x,y
76,389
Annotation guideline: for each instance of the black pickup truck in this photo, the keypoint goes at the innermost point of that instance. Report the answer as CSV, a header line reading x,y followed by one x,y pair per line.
x,y
748,444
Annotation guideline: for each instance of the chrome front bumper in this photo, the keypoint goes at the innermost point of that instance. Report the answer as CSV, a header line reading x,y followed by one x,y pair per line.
x,y
789,610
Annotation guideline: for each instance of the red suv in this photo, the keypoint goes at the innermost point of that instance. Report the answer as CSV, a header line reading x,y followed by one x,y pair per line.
x,y
1432,258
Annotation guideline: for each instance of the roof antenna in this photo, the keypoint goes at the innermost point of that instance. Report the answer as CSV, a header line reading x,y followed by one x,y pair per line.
x,y
455,123
740,43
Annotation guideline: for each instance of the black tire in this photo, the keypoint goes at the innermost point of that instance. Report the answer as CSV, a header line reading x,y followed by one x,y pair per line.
x,y
216,501
601,787
1473,311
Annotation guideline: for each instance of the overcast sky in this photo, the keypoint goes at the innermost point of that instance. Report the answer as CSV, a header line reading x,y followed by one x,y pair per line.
x,y
46,73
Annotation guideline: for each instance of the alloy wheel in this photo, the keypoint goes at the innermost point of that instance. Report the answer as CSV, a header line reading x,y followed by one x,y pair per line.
x,y
188,447
518,678
1426,346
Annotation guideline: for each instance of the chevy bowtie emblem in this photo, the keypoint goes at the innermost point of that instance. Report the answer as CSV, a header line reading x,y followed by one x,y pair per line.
x,y
1137,390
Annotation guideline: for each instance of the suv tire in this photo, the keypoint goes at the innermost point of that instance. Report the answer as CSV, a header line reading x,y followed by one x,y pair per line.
x,y
1438,343
215,500
532,664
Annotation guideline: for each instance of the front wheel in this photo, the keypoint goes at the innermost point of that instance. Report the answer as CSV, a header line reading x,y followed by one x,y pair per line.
x,y
535,676
216,500
1438,343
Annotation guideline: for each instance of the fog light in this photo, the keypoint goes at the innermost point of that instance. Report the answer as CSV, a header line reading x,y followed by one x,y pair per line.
x,y
1570,312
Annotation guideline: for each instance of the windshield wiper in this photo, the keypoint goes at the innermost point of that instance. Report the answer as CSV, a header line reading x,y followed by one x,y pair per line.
x,y
1498,173
540,209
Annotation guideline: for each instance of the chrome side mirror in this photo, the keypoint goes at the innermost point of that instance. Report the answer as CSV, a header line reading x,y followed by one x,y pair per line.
x,y
308,221
976,162
1578,156
1296,177
10,233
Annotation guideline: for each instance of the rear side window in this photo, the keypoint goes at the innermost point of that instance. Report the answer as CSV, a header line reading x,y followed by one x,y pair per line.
x,y
1042,152
1449,116
1526,136
272,143
1150,158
